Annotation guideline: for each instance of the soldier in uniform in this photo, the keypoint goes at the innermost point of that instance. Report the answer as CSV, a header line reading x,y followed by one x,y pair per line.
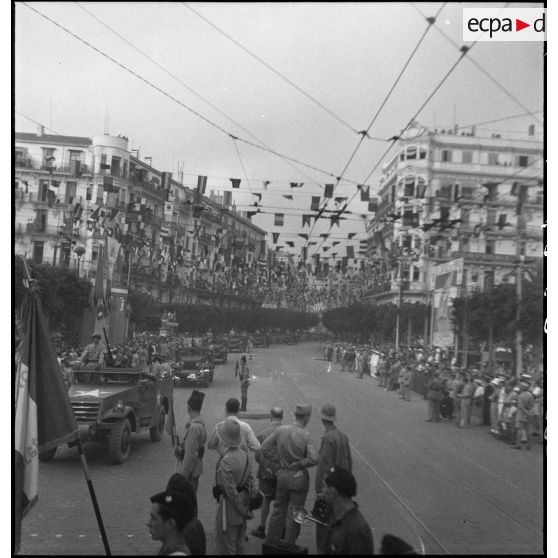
x,y
233,480
335,451
190,452
94,354
267,472
244,377
296,454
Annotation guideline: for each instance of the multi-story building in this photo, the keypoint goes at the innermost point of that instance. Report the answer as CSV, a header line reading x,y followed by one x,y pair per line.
x,y
77,198
448,194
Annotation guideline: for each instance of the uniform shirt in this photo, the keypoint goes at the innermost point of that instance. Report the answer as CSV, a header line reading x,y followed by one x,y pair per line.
x,y
525,404
249,440
93,353
349,534
194,439
293,445
334,452
232,472
270,463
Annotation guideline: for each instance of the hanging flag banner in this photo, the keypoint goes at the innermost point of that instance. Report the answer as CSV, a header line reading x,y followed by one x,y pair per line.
x,y
350,252
304,253
328,192
265,183
43,416
166,178
296,184
306,220
340,200
446,283
202,183
305,236
259,196
350,235
235,182
364,193
373,205
288,197
324,235
279,219
275,237
315,203
290,243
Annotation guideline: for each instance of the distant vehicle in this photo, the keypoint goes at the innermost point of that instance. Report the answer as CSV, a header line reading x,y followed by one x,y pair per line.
x,y
220,350
261,340
112,403
237,344
193,366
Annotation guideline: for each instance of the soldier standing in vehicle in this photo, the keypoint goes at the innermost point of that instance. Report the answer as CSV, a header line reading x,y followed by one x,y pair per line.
x,y
244,375
190,452
94,354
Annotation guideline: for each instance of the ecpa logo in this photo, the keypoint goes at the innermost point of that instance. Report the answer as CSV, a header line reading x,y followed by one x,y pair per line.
x,y
504,24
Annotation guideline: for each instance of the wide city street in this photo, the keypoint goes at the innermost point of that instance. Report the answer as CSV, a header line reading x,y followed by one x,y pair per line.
x,y
456,491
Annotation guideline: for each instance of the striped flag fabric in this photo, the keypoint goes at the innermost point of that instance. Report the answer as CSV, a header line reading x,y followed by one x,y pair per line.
x,y
43,414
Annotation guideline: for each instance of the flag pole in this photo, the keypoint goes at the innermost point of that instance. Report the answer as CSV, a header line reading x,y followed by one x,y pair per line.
x,y
93,496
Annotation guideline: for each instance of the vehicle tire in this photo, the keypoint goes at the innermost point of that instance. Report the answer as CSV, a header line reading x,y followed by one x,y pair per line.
x,y
46,456
120,442
156,432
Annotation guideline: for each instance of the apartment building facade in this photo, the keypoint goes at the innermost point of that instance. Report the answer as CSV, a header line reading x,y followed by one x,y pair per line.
x,y
449,194
78,197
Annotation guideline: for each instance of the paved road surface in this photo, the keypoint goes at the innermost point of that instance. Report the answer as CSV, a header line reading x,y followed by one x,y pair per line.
x,y
457,491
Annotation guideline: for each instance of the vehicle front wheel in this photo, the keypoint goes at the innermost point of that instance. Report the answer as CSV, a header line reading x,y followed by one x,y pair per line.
x,y
120,442
156,432
46,456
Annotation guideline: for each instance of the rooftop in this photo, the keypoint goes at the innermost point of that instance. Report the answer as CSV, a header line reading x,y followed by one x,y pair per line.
x,y
53,139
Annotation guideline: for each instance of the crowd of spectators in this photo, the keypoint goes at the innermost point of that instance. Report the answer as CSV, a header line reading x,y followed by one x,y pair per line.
x,y
511,407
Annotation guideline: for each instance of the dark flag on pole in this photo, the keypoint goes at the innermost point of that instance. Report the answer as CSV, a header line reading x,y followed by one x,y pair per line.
x,y
328,192
235,182
43,413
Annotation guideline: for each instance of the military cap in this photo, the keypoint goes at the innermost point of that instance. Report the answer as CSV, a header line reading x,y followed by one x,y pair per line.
x,y
303,410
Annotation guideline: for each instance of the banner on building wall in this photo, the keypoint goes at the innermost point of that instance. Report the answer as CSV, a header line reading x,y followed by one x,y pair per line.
x,y
446,284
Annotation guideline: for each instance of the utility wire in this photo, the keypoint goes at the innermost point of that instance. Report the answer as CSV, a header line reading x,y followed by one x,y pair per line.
x,y
242,165
430,21
269,67
168,95
186,86
487,74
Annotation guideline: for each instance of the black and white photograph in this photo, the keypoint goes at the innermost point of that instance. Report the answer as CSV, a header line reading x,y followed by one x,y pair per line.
x,y
279,278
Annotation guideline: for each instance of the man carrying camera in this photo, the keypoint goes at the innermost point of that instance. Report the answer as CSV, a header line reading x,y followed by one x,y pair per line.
x,y
335,451
190,452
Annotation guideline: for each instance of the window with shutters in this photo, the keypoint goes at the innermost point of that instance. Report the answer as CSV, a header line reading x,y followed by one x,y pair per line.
x,y
115,166
489,246
422,153
70,192
43,191
409,190
421,188
467,193
100,190
467,157
40,220
445,192
447,155
493,158
464,244
402,156
411,153
522,161
416,273
48,156
491,217
38,251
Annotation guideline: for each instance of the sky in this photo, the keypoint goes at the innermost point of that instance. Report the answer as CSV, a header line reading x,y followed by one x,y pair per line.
x,y
346,56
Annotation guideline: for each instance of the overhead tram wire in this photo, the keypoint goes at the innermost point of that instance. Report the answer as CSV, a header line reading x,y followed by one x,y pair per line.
x,y
222,113
183,105
487,74
38,123
464,50
364,133
271,68
242,165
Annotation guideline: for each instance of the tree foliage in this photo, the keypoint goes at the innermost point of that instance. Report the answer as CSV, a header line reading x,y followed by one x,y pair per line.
x,y
474,313
146,313
63,294
363,320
